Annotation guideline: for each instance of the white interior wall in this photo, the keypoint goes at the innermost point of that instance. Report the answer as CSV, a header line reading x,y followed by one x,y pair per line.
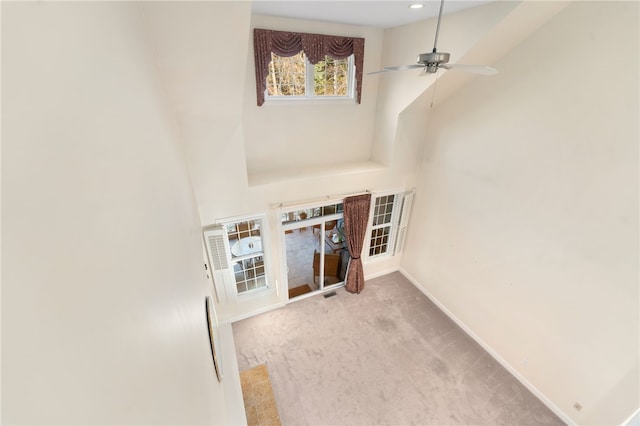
x,y
54,115
201,49
459,32
215,137
525,223
276,171
103,291
293,135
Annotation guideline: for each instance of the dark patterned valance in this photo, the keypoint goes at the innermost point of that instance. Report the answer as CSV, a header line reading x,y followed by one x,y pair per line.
x,y
315,47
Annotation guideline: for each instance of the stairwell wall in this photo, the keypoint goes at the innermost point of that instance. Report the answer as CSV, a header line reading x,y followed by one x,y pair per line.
x,y
103,315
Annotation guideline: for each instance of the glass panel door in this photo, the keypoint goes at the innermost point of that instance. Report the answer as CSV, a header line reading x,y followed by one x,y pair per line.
x,y
316,255
332,245
301,248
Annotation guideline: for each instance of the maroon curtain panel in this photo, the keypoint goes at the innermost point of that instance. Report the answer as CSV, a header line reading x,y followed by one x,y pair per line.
x,y
356,217
315,47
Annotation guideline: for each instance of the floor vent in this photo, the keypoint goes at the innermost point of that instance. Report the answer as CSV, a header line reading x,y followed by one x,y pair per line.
x,y
326,295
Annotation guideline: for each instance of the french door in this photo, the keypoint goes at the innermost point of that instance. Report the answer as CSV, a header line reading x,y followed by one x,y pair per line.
x,y
316,254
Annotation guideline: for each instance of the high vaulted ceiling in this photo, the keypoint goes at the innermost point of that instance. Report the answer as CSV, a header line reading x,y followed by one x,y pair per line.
x,y
381,14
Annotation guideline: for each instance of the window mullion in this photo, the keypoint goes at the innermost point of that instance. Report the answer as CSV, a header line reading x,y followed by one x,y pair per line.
x,y
309,78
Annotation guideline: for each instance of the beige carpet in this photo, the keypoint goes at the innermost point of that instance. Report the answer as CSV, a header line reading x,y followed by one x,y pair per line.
x,y
259,402
386,357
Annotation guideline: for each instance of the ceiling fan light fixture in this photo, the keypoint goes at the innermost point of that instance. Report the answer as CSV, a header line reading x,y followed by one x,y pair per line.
x,y
416,6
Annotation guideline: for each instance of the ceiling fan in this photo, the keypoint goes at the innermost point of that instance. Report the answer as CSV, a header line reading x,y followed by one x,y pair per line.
x,y
431,62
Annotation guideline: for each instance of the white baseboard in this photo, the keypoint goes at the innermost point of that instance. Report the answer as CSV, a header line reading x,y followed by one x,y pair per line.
x,y
231,320
381,273
253,313
558,412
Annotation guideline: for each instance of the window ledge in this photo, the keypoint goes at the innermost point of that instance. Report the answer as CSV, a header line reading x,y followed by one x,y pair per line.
x,y
268,177
303,101
377,257
255,294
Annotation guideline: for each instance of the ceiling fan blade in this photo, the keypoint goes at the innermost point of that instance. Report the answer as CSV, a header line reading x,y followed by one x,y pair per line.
x,y
404,67
476,69
398,68
377,72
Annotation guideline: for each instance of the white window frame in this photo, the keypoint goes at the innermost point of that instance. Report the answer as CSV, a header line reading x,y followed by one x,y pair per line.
x,y
310,89
402,200
227,291
398,195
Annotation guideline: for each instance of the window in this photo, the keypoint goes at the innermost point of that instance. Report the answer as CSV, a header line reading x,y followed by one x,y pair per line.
x,y
326,62
237,258
333,77
247,255
295,77
389,221
310,213
382,225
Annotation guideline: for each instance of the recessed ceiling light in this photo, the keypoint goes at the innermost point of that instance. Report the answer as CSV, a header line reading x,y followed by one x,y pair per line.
x,y
416,6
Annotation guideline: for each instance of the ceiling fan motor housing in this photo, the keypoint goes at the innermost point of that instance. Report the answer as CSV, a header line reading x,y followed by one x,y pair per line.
x,y
433,58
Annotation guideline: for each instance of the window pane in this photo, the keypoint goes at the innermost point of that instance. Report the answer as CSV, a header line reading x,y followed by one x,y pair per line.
x,y
249,274
379,240
383,209
286,75
331,77
239,230
299,215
